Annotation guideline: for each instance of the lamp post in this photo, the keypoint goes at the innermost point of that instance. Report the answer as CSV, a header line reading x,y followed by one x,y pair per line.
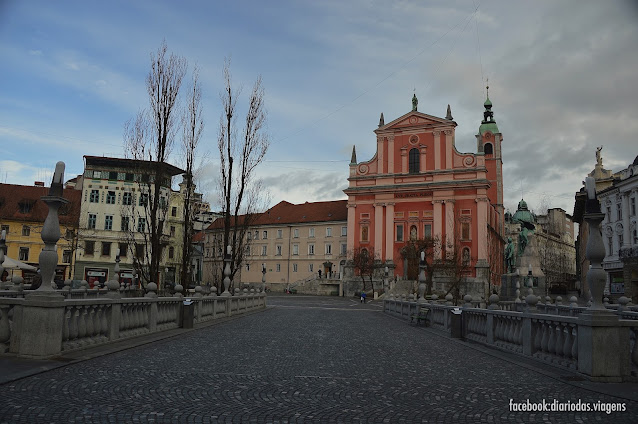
x,y
422,278
386,284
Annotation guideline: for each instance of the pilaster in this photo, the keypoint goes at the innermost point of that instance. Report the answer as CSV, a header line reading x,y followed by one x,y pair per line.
x,y
437,150
389,232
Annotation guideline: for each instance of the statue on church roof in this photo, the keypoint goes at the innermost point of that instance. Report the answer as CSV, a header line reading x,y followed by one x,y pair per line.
x,y
599,160
415,102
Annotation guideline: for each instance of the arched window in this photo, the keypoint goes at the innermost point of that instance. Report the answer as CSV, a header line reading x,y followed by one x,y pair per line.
x,y
488,149
414,161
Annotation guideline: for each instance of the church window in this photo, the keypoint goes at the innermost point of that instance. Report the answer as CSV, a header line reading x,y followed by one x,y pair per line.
x,y
465,230
488,149
413,160
400,232
427,230
364,233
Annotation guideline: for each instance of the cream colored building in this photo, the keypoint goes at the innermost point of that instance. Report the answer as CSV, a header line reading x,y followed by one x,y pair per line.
x,y
295,243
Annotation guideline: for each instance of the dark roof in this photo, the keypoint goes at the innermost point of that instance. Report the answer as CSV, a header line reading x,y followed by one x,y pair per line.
x,y
128,163
287,213
12,196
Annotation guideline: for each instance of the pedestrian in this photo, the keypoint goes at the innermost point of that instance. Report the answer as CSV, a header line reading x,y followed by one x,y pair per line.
x,y
363,297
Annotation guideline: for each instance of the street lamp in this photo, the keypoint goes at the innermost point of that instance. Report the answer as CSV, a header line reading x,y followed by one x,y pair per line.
x,y
263,278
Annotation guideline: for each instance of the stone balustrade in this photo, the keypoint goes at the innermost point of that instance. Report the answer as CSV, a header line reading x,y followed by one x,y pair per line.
x,y
93,321
536,333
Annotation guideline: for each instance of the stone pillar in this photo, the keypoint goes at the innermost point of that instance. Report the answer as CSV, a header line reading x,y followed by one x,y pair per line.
x,y
380,154
603,345
389,232
378,229
391,169
437,150
422,158
481,223
404,160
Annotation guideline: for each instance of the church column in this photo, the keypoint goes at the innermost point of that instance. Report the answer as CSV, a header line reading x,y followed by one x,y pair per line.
x,y
449,220
351,225
437,149
391,169
437,231
626,236
380,154
481,222
448,149
422,164
378,229
389,231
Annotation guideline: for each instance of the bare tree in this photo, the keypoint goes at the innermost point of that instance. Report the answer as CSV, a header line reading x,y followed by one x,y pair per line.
x,y
239,158
192,127
411,251
364,263
149,139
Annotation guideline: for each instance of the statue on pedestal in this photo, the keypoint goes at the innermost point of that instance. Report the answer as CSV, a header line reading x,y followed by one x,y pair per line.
x,y
510,257
524,217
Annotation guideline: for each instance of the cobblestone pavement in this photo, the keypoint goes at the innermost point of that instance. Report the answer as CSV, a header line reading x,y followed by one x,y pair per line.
x,y
303,360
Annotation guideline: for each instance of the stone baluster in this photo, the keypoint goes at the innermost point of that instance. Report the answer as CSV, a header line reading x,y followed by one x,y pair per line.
x,y
468,301
178,290
622,303
227,260
494,299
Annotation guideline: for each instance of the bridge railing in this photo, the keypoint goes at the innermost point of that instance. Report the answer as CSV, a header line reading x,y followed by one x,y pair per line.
x,y
75,324
558,339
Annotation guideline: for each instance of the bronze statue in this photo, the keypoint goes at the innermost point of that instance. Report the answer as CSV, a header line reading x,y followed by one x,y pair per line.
x,y
599,160
509,256
415,102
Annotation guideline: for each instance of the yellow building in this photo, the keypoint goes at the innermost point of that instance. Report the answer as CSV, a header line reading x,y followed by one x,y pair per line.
x,y
22,215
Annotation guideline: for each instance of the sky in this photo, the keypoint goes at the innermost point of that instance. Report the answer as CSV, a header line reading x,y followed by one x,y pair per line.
x,y
563,78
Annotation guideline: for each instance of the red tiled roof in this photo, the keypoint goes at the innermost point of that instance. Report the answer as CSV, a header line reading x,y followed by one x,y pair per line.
x,y
198,237
287,213
11,196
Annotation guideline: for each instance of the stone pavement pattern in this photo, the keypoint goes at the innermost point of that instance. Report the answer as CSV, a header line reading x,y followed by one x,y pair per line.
x,y
303,360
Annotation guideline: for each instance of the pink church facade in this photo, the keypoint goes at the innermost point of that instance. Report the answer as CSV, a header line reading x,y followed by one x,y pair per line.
x,y
419,185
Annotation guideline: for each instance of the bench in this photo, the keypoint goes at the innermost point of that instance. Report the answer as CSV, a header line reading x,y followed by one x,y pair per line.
x,y
422,315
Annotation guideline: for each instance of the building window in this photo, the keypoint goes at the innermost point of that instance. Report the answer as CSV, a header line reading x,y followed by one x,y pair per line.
x,y
256,235
328,249
619,211
427,231
311,232
5,228
280,233
620,240
400,232
265,234
124,223
128,177
110,198
26,230
95,196
635,236
89,247
329,232
465,230
66,257
97,175
171,252
294,267
264,250
633,206
413,159
488,149
92,221
123,249
610,245
295,233
311,268
108,222
278,267
24,254
172,231
247,251
106,248
311,249
364,233
143,199
295,249
139,251
344,231
344,248
174,211
278,250
127,198
141,225
113,175
247,267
